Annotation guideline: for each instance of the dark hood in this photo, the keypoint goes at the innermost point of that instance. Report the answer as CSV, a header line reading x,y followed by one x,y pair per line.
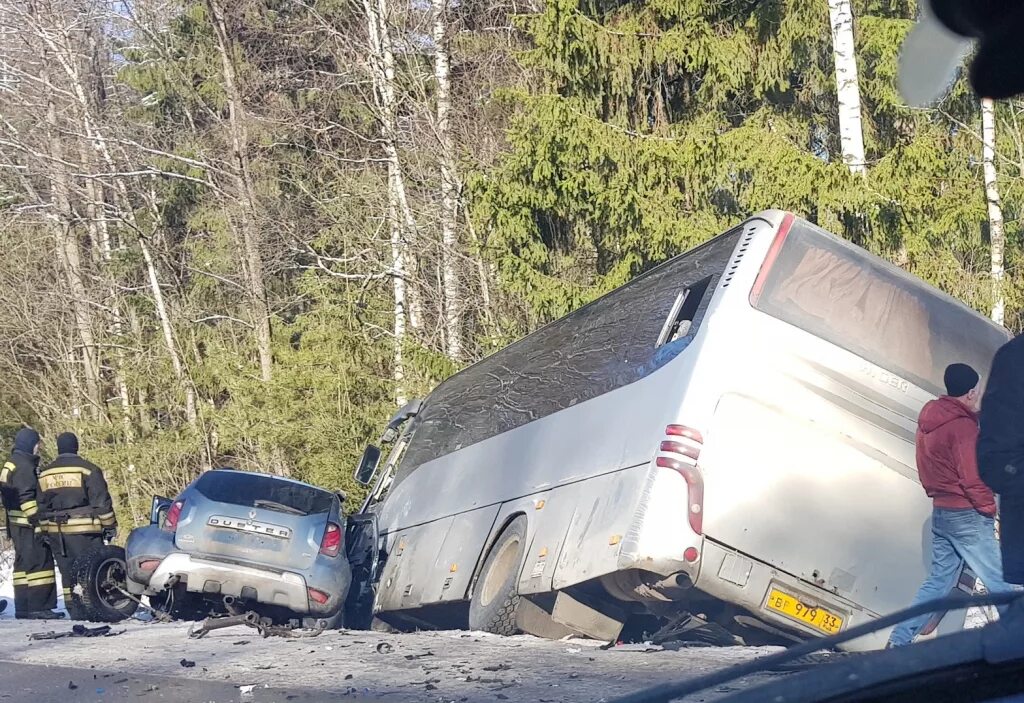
x,y
26,440
941,412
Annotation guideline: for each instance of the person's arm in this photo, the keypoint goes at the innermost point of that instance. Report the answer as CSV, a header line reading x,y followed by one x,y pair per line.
x,y
1001,438
99,497
965,452
23,480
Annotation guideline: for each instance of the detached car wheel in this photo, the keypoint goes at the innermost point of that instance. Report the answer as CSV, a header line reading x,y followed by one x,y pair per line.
x,y
101,584
496,595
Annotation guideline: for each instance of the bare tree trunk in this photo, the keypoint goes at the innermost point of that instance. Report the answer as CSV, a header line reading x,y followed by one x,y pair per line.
x,y
481,272
997,233
67,246
251,240
165,325
851,133
453,301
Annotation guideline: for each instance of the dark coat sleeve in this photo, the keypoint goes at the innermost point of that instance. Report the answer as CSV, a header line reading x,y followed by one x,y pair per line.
x,y
99,496
1001,436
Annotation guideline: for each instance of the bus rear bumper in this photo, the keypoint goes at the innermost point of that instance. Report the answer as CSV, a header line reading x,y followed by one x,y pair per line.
x,y
750,584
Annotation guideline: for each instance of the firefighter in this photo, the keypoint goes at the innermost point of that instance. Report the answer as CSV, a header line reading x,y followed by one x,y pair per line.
x,y
78,514
35,584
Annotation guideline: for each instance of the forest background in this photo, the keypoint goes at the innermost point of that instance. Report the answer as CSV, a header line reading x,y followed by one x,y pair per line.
x,y
238,232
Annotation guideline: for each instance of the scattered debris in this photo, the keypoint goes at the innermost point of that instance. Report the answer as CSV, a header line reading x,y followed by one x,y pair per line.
x,y
573,650
384,648
71,685
639,647
76,631
239,643
411,657
498,667
265,626
187,663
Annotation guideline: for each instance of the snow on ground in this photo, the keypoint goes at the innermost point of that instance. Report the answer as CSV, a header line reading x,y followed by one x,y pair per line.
x,y
427,666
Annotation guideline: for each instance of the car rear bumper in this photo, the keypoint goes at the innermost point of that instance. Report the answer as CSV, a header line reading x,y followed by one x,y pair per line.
x,y
213,578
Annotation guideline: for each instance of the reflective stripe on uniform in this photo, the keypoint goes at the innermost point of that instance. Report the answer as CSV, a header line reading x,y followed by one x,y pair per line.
x,y
16,517
48,581
39,578
30,508
19,578
72,529
108,519
7,471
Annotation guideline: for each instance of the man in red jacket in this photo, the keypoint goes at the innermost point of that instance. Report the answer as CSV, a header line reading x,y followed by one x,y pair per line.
x,y
964,509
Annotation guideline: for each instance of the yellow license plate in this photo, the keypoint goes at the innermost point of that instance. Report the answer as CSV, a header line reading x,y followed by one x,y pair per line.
x,y
817,617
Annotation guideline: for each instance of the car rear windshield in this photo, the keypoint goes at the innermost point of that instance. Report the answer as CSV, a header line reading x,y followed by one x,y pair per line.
x,y
840,293
240,488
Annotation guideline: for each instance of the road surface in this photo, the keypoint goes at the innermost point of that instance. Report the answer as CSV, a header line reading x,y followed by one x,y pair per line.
x,y
152,661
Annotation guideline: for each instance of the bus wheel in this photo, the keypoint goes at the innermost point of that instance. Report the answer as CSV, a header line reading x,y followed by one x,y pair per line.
x,y
496,596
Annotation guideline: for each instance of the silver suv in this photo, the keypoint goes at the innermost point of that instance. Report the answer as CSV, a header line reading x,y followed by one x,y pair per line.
x,y
237,540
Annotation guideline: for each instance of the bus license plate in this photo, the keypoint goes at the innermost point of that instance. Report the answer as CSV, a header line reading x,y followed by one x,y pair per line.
x,y
817,617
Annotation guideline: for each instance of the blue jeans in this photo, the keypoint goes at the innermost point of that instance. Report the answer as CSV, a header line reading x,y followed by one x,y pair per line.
x,y
958,536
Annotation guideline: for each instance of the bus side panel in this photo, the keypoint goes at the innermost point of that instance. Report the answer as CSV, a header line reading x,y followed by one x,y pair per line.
x,y
571,445
448,579
603,514
408,569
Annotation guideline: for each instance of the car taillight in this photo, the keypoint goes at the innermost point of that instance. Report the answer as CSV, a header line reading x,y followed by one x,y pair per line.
x,y
331,543
769,260
317,596
681,454
173,515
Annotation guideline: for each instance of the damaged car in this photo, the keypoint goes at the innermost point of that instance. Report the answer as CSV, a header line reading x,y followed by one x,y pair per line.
x,y
237,541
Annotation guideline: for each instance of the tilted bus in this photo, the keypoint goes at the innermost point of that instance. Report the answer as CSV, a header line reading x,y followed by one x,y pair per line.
x,y
730,434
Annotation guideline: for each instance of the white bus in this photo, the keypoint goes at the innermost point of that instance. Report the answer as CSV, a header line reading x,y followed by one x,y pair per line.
x,y
729,436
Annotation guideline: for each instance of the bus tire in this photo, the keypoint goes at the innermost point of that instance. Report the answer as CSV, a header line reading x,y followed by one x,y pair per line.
x,y
496,595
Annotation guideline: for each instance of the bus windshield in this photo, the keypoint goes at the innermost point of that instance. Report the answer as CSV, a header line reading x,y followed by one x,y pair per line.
x,y
854,300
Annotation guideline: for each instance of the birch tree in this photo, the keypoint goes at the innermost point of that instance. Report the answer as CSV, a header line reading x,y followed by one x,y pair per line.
x,y
851,133
454,305
997,234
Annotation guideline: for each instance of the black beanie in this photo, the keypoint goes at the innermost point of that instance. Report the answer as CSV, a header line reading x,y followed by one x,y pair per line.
x,y
67,443
960,380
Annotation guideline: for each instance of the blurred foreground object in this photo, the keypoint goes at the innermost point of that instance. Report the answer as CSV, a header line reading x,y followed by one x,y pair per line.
x,y
946,33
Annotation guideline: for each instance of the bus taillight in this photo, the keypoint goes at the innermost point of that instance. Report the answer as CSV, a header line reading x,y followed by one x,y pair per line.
x,y
683,451
769,260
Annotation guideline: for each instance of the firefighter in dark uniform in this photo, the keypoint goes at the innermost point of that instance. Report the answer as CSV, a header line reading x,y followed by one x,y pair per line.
x,y
35,584
77,512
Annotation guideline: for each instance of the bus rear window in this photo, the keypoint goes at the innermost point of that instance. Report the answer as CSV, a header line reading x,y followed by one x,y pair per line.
x,y
854,300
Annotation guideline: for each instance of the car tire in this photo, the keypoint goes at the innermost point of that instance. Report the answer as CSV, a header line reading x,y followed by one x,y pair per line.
x,y
101,581
495,598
